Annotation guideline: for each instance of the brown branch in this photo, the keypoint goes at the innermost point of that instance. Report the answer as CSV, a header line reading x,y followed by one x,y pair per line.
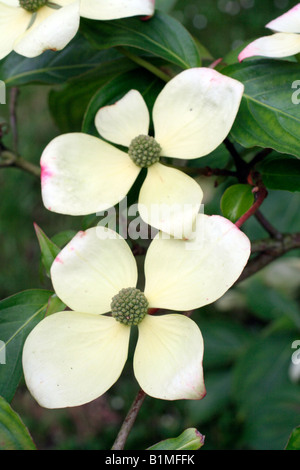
x,y
126,427
9,160
241,166
268,250
272,231
259,157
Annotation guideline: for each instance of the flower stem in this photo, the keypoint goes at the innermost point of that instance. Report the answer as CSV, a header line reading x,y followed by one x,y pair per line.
x,y
145,64
261,194
126,427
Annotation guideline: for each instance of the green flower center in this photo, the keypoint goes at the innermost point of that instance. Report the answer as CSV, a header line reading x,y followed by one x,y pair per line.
x,y
129,306
32,5
144,151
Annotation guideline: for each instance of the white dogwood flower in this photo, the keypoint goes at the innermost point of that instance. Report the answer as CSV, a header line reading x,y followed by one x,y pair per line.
x,y
192,115
30,27
73,357
284,43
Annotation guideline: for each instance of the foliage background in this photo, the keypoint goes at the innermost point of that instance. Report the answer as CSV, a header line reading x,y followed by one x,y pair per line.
x,y
251,401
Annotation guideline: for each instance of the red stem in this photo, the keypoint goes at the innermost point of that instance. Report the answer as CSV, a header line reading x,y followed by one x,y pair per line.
x,y
261,194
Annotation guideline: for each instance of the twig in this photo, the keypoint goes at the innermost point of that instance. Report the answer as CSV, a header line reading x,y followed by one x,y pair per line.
x,y
268,250
272,231
259,157
126,427
241,166
9,159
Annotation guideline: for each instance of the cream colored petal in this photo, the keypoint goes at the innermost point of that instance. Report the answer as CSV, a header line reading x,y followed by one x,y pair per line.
x,y
82,174
184,275
52,29
195,111
168,358
92,268
114,9
11,3
123,121
275,46
289,22
13,23
72,358
169,200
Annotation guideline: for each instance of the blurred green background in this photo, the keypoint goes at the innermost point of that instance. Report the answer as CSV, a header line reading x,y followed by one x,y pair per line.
x,y
252,402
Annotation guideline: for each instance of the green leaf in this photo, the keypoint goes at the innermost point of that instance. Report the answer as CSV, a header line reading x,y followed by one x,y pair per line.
x,y
294,440
19,314
190,439
224,342
268,303
13,433
111,92
236,201
62,238
262,370
267,117
218,387
68,104
55,305
162,36
49,250
266,398
281,174
52,67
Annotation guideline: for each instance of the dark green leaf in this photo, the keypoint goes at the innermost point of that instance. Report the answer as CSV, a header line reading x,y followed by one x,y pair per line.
x,y
262,370
294,440
49,250
62,238
268,303
267,117
218,387
281,174
55,305
13,433
18,316
190,439
162,36
236,201
224,342
68,104
52,67
268,425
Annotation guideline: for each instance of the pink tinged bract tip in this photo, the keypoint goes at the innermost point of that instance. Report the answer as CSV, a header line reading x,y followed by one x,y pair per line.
x,y
59,260
46,174
249,51
289,14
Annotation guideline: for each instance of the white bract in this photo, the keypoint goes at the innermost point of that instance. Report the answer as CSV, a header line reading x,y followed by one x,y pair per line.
x,y
192,115
30,27
284,43
73,357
